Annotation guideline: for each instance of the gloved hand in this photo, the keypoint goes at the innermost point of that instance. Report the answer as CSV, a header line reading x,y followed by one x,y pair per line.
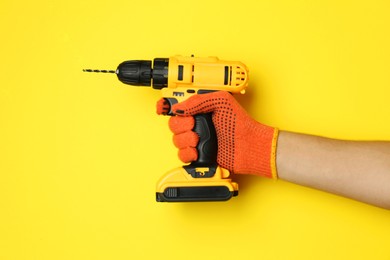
x,y
245,146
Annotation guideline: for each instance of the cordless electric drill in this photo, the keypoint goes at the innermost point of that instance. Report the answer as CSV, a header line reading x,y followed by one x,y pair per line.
x,y
179,78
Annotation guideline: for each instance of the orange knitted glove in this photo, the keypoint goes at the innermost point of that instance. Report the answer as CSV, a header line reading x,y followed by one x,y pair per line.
x,y
245,146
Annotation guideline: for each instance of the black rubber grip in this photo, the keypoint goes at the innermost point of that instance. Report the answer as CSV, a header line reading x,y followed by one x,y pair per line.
x,y
208,144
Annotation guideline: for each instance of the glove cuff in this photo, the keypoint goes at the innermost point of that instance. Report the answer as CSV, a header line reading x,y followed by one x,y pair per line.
x,y
258,153
274,173
267,152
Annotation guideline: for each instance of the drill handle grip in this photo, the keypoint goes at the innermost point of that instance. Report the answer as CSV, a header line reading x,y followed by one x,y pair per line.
x,y
208,145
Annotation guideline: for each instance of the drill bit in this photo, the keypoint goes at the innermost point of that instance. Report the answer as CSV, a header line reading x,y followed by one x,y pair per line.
x,y
99,71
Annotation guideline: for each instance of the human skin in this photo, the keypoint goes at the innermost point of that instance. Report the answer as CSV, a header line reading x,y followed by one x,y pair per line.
x,y
355,169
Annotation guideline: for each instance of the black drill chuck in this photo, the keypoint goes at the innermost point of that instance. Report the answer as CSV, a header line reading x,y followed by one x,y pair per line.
x,y
141,73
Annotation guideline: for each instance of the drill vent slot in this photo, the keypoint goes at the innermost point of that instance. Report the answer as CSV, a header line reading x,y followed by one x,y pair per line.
x,y
240,76
180,72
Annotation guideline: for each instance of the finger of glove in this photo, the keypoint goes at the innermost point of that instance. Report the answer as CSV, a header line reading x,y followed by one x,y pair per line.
x,y
188,154
181,124
186,139
162,107
203,103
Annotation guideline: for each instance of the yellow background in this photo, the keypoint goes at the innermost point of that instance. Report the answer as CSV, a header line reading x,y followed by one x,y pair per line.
x,y
80,153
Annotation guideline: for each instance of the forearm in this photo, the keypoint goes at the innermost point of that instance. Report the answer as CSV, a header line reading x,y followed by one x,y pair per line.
x,y
356,169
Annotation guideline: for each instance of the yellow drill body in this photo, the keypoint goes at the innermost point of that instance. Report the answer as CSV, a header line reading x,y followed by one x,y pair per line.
x,y
188,76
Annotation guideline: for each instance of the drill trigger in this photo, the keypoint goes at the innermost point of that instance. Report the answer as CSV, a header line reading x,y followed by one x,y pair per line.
x,y
171,102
